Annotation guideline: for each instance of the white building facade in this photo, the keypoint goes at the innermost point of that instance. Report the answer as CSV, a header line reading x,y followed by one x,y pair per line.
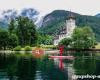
x,y
66,31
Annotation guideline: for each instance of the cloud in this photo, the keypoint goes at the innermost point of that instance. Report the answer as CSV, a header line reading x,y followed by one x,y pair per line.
x,y
88,7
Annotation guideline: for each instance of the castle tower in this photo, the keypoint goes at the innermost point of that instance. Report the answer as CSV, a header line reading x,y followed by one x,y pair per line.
x,y
67,31
70,25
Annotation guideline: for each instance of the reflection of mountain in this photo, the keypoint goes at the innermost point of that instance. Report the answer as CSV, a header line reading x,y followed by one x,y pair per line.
x,y
7,15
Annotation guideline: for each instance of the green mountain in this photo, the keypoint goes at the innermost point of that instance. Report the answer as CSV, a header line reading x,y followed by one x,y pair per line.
x,y
53,21
3,25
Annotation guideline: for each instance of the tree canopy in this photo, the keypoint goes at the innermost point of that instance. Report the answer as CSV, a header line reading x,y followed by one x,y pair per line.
x,y
25,30
3,39
21,31
45,39
82,38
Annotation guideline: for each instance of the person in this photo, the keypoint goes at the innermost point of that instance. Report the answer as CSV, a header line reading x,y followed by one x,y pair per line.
x,y
61,48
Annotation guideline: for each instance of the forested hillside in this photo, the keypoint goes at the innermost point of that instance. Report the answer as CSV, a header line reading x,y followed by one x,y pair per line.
x,y
53,21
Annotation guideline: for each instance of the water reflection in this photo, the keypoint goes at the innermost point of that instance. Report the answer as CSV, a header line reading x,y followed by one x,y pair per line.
x,y
87,65
26,67
50,71
17,67
61,65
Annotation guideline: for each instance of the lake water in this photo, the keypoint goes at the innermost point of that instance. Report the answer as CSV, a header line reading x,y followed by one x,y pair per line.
x,y
26,67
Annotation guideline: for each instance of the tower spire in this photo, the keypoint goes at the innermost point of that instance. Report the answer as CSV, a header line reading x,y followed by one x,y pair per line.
x,y
71,15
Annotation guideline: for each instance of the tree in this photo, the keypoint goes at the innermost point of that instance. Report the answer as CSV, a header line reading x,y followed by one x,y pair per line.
x,y
11,27
45,39
83,38
13,41
66,42
33,34
26,31
3,39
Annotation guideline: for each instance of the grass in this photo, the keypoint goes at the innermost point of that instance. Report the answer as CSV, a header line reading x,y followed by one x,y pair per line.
x,y
98,46
48,46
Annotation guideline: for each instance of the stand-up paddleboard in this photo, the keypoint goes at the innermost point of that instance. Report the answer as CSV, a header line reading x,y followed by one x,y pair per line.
x,y
62,57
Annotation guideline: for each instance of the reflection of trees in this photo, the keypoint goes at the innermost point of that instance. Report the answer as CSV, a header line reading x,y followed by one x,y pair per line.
x,y
50,71
11,66
7,64
2,61
85,66
26,68
97,72
20,67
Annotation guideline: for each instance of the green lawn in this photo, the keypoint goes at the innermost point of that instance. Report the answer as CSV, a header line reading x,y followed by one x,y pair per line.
x,y
98,46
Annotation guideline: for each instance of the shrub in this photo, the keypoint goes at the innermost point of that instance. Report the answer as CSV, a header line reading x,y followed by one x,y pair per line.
x,y
65,42
48,46
27,48
18,48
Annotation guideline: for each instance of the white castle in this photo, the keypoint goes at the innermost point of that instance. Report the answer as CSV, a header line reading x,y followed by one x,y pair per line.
x,y
66,31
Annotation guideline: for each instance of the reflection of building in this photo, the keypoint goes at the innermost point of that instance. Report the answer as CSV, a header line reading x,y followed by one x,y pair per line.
x,y
67,68
66,30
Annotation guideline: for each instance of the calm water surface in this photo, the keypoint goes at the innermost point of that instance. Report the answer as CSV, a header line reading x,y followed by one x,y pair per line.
x,y
26,67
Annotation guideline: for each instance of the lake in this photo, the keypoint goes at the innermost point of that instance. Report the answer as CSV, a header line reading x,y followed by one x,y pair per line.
x,y
27,67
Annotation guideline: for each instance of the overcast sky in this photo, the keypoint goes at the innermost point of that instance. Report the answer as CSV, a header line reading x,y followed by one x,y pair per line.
x,y
85,7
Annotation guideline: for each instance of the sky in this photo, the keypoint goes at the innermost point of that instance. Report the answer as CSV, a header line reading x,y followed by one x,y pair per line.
x,y
85,7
